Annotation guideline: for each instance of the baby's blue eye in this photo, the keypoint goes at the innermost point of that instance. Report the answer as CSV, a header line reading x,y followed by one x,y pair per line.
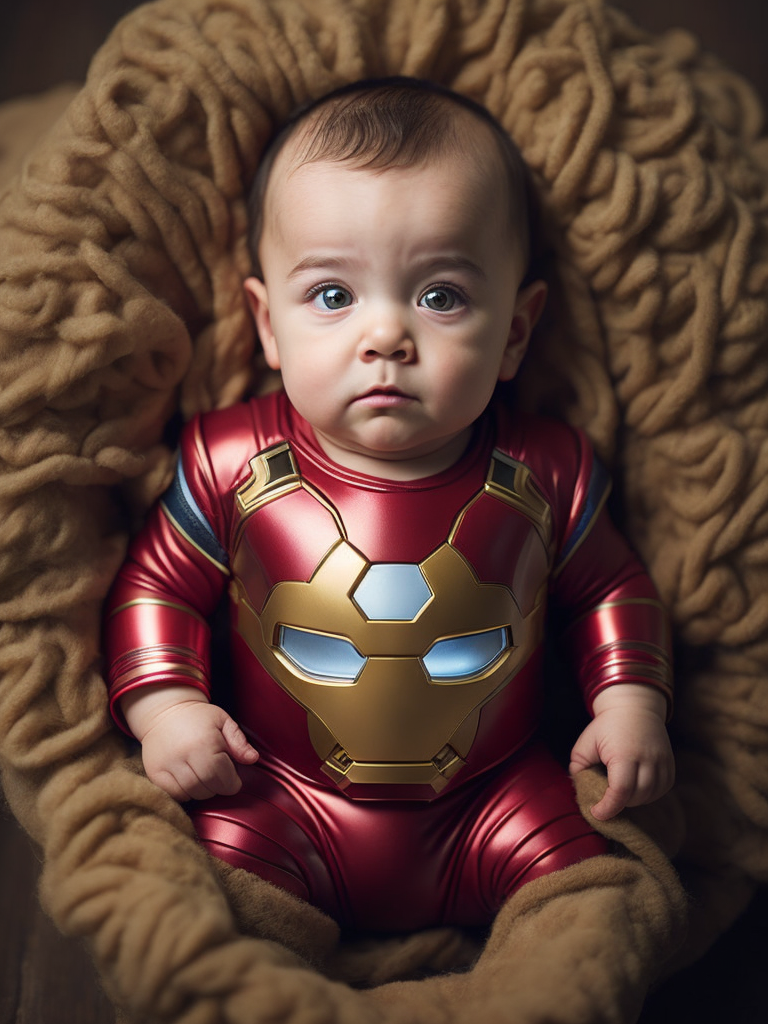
x,y
440,300
333,297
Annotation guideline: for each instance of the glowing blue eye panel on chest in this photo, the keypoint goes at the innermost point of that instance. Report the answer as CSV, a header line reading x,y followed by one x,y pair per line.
x,y
392,591
462,657
321,656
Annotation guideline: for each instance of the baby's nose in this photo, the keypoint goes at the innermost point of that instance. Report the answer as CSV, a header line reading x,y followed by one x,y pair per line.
x,y
387,337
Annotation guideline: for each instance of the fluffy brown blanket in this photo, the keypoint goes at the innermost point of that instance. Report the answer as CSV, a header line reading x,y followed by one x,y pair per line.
x,y
121,256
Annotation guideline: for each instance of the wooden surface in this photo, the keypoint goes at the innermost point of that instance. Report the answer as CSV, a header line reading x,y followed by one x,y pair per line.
x,y
44,978
47,979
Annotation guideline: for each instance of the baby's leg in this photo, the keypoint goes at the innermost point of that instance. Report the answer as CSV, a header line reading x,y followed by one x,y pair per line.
x,y
380,865
267,829
524,825
402,865
372,865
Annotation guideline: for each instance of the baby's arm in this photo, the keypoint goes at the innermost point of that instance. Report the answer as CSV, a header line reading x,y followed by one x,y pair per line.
x,y
617,638
188,745
628,735
157,633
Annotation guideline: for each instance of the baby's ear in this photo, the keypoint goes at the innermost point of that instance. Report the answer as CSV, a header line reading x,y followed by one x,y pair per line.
x,y
528,308
258,302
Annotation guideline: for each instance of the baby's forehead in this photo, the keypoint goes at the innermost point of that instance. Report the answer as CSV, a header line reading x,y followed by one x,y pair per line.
x,y
478,151
454,206
474,155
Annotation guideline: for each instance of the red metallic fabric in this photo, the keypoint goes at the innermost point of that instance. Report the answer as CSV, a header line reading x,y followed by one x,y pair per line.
x,y
292,822
402,865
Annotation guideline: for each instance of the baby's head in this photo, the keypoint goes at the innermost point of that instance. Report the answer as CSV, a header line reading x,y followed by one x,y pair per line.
x,y
391,244
397,122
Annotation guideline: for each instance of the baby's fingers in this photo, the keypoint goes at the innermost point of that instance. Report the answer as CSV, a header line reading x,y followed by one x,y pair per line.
x,y
221,775
237,743
214,775
622,784
653,781
183,784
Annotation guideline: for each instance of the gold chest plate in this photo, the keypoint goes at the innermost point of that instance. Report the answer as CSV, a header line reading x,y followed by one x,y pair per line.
x,y
393,663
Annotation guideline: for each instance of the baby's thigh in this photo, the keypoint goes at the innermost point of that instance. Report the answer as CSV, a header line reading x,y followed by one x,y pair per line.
x,y
368,864
267,829
371,865
526,824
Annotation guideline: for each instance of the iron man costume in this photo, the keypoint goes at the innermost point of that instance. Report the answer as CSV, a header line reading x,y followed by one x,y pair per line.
x,y
387,647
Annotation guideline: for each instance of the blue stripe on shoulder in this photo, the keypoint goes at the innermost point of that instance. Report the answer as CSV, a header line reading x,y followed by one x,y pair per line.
x,y
185,512
597,492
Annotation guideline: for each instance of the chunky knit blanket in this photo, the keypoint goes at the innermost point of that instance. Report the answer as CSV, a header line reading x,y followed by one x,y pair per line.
x,y
122,251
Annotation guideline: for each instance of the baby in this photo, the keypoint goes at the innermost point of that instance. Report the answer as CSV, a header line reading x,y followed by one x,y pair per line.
x,y
391,538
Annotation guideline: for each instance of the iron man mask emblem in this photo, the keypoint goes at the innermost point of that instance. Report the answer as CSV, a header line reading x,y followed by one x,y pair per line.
x,y
393,662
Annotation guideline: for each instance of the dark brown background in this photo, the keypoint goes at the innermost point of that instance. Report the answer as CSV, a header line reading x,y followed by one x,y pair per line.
x,y
45,979
44,42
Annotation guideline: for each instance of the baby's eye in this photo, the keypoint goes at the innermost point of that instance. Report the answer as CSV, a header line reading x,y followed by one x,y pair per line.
x,y
441,300
331,297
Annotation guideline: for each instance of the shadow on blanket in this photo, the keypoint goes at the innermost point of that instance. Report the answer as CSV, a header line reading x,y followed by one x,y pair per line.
x,y
120,305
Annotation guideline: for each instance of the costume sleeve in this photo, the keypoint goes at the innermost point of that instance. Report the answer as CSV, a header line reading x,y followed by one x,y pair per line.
x,y
156,629
616,629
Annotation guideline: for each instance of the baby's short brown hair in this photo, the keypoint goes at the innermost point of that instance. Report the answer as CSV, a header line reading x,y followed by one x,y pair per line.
x,y
391,122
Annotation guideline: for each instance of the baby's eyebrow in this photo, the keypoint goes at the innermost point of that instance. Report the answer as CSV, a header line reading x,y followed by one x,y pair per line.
x,y
455,262
317,262
430,263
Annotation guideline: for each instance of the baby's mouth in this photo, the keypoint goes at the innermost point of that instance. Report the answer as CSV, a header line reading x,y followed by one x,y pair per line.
x,y
384,396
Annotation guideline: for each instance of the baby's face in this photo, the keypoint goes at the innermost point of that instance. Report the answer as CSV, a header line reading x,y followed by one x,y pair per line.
x,y
390,304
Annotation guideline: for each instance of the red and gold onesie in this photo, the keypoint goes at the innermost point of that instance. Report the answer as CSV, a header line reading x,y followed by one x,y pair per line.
x,y
387,654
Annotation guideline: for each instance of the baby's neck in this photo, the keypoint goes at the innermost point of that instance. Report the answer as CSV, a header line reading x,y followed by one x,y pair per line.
x,y
396,467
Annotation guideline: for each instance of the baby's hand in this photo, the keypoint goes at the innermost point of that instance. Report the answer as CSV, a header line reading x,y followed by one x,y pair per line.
x,y
188,746
629,737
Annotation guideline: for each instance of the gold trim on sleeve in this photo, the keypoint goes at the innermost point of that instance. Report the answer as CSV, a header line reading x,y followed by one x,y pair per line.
x,y
163,604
